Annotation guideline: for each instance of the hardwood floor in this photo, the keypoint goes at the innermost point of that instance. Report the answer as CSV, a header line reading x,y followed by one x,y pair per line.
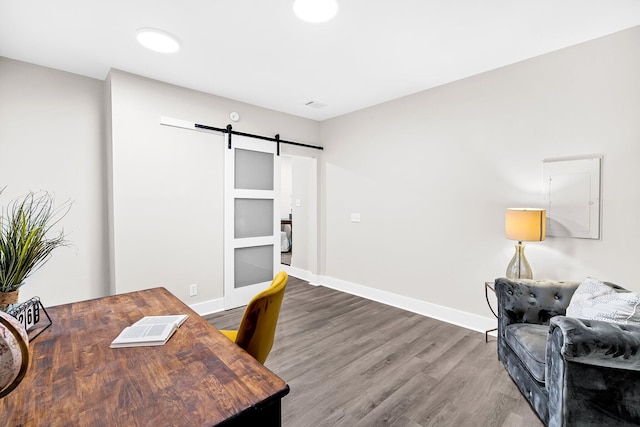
x,y
353,362
285,257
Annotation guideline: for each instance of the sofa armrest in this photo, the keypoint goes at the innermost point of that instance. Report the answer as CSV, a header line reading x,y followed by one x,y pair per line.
x,y
595,342
592,372
529,301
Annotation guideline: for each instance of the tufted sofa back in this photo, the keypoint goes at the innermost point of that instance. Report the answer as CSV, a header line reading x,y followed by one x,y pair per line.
x,y
529,301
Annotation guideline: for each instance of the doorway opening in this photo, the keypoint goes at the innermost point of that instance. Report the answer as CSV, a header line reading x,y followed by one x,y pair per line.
x,y
299,212
286,209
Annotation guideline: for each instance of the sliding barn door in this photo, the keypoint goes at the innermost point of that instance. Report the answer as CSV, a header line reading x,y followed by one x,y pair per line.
x,y
252,222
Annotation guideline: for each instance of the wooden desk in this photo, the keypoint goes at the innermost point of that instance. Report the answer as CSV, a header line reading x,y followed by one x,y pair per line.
x,y
198,378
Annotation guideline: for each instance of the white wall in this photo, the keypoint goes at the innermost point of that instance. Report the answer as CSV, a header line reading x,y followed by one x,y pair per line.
x,y
51,138
432,174
286,186
168,183
305,215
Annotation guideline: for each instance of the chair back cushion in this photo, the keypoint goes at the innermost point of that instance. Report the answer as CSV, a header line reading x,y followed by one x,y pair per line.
x,y
258,325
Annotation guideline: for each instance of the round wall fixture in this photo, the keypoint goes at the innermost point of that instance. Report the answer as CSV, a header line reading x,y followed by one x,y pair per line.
x,y
234,116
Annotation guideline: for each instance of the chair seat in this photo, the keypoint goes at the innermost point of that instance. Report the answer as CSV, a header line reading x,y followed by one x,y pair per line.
x,y
529,342
232,335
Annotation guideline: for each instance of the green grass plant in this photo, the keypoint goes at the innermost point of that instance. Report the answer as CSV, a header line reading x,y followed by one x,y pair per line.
x,y
27,238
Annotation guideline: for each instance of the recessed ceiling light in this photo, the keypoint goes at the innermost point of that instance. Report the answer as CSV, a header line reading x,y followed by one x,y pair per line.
x,y
157,40
315,10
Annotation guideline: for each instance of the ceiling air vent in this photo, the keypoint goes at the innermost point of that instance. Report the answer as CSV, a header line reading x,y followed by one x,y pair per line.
x,y
315,104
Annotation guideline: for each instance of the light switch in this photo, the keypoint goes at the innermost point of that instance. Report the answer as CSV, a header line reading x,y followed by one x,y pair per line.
x,y
298,203
355,217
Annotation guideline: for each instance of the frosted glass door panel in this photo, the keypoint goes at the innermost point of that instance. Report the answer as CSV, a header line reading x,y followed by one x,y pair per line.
x,y
253,265
254,170
254,218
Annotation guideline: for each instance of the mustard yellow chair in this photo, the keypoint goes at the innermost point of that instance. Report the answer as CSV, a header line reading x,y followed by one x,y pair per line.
x,y
258,326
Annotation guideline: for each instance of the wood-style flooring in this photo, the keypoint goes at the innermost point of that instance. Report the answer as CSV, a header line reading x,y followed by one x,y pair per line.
x,y
285,257
352,362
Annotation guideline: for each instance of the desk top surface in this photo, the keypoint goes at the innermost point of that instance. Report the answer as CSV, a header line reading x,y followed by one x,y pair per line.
x,y
198,378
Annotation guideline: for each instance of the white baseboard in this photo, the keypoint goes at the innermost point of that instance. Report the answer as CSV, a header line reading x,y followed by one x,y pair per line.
x,y
446,314
450,315
313,279
208,307
216,305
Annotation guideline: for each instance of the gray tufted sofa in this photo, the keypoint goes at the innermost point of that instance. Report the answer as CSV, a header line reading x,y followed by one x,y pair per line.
x,y
573,372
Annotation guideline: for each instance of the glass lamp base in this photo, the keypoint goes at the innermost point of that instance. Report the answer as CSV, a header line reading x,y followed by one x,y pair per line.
x,y
519,267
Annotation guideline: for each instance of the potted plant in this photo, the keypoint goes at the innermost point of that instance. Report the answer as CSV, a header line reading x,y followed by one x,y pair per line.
x,y
25,244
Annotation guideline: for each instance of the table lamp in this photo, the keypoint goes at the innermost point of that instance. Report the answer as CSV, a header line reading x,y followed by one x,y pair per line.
x,y
523,225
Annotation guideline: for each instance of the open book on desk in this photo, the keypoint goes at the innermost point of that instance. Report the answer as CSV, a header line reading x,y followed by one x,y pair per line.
x,y
148,331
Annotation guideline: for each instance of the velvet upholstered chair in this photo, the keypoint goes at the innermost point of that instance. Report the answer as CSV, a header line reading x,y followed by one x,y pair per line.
x,y
258,326
573,372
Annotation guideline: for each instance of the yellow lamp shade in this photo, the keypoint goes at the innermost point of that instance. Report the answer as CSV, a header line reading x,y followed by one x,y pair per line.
x,y
525,225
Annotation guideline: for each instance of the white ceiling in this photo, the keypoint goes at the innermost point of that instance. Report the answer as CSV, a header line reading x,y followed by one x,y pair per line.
x,y
258,52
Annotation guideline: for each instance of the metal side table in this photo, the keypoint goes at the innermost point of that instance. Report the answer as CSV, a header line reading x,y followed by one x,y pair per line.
x,y
489,286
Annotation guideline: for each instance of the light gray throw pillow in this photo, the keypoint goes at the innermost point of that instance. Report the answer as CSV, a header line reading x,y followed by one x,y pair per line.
x,y
594,300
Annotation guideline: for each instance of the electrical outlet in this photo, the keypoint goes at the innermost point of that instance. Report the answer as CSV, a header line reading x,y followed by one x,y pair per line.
x,y
193,290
